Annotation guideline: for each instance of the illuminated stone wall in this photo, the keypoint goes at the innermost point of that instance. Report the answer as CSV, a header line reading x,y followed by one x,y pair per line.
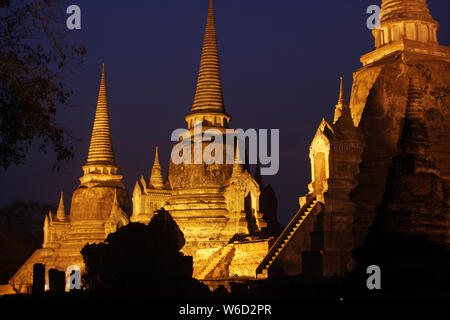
x,y
99,206
350,163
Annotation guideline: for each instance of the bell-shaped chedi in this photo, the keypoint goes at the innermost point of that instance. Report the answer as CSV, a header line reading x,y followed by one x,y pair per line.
x,y
213,201
93,199
193,193
406,47
209,111
100,205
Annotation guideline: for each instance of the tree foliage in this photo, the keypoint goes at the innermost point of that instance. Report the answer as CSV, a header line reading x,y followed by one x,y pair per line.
x,y
20,234
34,56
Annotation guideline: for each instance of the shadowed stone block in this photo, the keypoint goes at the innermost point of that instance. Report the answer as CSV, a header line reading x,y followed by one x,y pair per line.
x,y
38,279
57,280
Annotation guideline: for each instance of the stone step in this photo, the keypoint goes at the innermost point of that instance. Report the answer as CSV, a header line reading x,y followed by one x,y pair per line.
x,y
222,253
289,235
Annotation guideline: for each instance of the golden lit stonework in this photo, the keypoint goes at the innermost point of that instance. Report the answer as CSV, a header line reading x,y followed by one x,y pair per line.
x,y
208,106
217,206
350,158
406,27
99,206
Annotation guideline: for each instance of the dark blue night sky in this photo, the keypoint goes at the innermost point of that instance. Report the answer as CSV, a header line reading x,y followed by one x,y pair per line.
x,y
281,61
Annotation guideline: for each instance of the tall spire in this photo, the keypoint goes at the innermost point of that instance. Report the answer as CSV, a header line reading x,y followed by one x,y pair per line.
x,y
342,110
60,214
342,100
237,166
208,95
156,178
101,148
208,98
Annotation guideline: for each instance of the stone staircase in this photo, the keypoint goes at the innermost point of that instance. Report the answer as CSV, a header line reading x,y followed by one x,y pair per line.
x,y
286,235
214,261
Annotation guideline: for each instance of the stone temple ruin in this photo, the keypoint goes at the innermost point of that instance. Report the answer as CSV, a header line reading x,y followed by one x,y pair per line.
x,y
399,109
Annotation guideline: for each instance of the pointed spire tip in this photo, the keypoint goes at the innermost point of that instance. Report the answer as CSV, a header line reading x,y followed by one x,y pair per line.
x,y
101,149
342,98
156,177
60,213
208,94
156,156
